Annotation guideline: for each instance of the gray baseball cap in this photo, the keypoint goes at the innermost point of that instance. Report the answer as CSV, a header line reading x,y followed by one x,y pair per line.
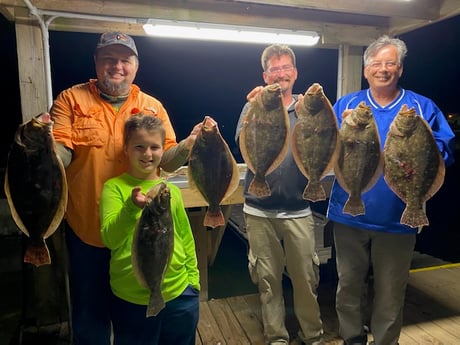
x,y
116,37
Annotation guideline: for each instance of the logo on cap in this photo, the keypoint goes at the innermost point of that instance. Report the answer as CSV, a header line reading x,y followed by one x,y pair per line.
x,y
110,38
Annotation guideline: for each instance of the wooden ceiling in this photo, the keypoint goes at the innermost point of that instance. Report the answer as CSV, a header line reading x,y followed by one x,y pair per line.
x,y
353,22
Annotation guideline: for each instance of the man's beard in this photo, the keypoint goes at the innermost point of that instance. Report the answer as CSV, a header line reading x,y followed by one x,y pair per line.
x,y
114,89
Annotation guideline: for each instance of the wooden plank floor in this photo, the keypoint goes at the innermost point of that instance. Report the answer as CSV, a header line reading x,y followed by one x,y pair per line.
x,y
431,313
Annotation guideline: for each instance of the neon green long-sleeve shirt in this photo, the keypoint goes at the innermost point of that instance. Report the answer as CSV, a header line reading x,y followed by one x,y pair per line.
x,y
118,221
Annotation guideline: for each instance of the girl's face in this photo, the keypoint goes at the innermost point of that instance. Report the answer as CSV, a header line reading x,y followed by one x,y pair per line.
x,y
144,150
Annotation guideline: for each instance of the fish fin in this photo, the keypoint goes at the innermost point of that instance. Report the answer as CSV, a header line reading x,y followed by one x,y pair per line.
x,y
60,212
243,149
14,213
214,219
378,171
259,188
282,154
439,179
414,216
191,181
37,255
314,191
354,206
234,182
156,303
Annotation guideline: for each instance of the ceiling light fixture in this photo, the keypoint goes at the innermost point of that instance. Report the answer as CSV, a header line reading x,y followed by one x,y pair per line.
x,y
230,33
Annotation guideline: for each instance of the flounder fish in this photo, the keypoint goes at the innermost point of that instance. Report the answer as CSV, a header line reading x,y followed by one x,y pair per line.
x,y
153,245
315,140
360,160
414,168
36,186
213,170
264,137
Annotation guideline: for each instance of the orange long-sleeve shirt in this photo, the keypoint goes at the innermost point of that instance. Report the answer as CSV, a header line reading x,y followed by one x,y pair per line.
x,y
93,129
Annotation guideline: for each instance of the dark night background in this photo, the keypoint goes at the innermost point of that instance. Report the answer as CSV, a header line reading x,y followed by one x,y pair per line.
x,y
197,78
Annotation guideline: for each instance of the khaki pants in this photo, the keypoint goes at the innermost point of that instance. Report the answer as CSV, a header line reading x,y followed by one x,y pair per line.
x,y
390,256
275,244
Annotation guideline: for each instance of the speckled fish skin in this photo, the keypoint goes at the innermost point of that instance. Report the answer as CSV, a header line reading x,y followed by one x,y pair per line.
x,y
414,168
360,159
213,170
264,137
36,186
153,245
314,140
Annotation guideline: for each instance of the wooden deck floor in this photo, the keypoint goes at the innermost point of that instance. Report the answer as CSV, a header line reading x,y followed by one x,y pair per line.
x,y
431,313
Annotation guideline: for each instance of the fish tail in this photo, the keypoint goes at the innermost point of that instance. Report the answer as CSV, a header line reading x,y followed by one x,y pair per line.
x,y
354,206
37,254
156,304
214,219
259,188
314,191
414,217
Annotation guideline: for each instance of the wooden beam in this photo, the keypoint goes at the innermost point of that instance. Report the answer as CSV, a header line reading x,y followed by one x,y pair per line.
x,y
354,22
352,70
32,85
420,9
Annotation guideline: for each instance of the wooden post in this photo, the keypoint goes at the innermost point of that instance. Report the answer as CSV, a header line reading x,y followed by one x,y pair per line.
x,y
32,85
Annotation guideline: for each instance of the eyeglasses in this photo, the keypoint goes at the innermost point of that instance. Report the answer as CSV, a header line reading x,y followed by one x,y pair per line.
x,y
387,64
276,70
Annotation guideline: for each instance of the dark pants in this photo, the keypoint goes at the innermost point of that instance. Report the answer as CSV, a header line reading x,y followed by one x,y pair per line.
x,y
90,291
175,324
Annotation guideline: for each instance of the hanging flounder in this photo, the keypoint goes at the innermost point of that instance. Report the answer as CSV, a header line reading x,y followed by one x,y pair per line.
x,y
414,168
153,245
213,170
264,136
360,160
36,186
315,140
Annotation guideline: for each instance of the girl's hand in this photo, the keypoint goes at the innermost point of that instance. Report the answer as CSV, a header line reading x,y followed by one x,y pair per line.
x,y
139,199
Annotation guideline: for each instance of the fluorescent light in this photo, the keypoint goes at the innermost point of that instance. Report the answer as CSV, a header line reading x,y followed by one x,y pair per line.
x,y
217,32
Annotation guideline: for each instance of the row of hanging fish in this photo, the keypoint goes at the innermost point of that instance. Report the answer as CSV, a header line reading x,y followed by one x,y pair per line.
x,y
411,163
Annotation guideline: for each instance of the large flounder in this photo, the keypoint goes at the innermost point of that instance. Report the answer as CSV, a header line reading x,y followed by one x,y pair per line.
x,y
153,245
315,140
414,168
360,159
36,186
213,170
264,137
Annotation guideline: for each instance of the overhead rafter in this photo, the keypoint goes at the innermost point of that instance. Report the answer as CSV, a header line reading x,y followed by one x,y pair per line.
x,y
418,9
352,22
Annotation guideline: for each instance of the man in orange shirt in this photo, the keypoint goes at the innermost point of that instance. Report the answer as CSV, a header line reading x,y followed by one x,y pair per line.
x,y
88,128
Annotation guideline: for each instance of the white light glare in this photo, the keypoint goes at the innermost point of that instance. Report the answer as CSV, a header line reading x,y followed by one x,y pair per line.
x,y
229,33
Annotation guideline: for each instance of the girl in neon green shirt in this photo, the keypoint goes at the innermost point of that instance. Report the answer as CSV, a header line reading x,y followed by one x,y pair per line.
x,y
121,204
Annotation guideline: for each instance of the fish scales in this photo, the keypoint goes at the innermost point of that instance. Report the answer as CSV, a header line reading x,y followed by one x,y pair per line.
x,y
36,186
264,137
360,159
213,170
414,168
315,140
153,245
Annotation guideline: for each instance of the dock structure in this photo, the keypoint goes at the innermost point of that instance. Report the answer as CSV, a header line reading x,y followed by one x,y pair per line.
x,y
431,313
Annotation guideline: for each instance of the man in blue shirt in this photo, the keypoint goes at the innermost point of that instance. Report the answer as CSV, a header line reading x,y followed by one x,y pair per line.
x,y
377,239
